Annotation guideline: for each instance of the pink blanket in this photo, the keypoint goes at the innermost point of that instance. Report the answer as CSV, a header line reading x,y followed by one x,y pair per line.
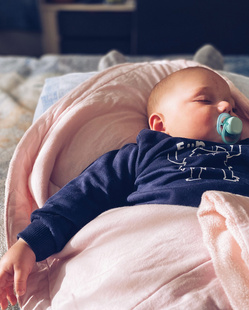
x,y
142,257
224,219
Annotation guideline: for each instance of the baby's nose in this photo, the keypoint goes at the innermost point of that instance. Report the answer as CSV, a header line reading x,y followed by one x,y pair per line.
x,y
224,107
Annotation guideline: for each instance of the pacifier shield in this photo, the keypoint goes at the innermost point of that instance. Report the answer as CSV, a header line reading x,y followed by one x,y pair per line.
x,y
233,125
229,127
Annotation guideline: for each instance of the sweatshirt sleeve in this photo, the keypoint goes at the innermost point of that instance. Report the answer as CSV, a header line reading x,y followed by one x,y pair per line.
x,y
105,184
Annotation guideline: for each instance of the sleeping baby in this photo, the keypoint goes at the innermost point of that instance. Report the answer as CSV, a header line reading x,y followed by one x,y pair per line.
x,y
197,141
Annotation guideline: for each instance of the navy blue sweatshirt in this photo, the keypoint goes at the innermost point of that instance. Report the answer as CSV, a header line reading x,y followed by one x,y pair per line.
x,y
157,169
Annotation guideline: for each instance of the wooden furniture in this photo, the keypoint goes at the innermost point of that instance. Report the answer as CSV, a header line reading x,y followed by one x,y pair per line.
x,y
88,28
181,26
146,27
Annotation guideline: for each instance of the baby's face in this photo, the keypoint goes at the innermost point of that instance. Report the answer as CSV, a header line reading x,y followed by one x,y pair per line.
x,y
191,108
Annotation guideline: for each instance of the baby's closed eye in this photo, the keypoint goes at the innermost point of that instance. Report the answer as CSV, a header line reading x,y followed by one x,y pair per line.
x,y
203,99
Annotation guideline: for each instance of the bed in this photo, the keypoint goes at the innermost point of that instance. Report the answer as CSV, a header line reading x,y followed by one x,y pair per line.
x,y
38,94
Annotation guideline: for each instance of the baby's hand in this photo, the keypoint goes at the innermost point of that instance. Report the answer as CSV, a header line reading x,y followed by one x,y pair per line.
x,y
15,267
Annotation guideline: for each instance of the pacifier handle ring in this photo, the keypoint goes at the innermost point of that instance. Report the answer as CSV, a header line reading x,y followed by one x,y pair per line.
x,y
220,122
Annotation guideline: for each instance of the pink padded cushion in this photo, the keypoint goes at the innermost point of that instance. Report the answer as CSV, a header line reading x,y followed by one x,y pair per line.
x,y
101,114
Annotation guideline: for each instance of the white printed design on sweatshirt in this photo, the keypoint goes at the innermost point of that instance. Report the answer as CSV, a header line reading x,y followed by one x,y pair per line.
x,y
196,173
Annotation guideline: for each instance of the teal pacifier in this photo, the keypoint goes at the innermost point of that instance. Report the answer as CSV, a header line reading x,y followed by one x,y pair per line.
x,y
229,127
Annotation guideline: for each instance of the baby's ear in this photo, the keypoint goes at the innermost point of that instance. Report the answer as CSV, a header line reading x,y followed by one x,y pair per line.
x,y
156,122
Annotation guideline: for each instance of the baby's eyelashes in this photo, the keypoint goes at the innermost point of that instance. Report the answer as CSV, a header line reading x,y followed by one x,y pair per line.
x,y
203,100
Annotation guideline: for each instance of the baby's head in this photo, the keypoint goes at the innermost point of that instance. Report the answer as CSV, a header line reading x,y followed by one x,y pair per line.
x,y
188,102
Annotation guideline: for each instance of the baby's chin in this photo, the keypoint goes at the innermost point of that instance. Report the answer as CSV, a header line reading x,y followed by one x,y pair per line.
x,y
216,138
211,138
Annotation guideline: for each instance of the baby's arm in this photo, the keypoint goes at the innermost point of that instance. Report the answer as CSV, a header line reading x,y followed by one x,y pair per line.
x,y
15,267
